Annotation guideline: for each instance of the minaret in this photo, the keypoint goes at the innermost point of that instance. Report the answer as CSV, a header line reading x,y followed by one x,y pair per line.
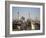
x,y
29,15
18,14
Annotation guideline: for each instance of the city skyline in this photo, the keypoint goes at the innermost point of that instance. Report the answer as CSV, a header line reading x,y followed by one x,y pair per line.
x,y
26,12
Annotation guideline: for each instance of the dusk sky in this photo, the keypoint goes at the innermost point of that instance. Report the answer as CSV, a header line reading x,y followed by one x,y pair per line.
x,y
24,11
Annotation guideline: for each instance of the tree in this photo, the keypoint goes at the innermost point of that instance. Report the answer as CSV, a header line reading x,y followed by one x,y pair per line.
x,y
28,24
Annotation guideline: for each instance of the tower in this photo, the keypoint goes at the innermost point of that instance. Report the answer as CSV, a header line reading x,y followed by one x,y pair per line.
x,y
29,15
18,14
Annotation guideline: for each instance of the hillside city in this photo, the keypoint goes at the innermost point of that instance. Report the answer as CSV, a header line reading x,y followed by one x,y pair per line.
x,y
22,24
